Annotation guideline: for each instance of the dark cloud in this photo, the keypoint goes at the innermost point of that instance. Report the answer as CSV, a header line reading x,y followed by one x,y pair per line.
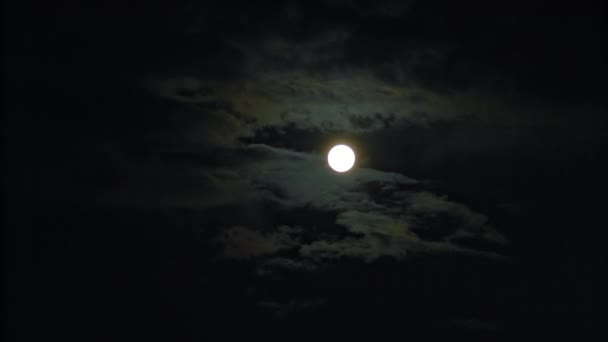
x,y
280,310
284,264
174,153
399,222
473,324
281,53
386,8
240,243
362,122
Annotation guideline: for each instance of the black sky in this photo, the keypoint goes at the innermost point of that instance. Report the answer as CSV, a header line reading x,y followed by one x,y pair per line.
x,y
165,174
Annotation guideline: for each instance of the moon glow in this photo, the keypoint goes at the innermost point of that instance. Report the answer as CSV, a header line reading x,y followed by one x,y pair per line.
x,y
341,158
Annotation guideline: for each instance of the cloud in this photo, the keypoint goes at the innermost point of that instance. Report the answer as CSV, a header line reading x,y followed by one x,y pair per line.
x,y
158,182
372,123
365,249
398,220
353,101
281,309
298,179
242,243
385,8
344,75
373,213
284,264
471,324
277,52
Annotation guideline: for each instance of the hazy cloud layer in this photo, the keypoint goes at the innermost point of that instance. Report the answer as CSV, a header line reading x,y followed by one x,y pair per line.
x,y
428,99
401,218
349,101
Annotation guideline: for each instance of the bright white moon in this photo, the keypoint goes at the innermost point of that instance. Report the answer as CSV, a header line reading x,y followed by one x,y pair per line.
x,y
341,158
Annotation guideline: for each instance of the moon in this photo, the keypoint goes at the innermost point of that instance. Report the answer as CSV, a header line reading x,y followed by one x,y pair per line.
x,y
341,158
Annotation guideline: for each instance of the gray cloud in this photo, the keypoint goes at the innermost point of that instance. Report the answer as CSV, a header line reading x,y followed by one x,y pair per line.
x,y
284,264
298,179
278,52
242,243
355,101
402,220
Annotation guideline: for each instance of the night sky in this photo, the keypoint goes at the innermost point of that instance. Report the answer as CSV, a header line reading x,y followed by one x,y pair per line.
x,y
165,173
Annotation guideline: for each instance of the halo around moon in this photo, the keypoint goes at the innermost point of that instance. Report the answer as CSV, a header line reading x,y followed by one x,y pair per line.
x,y
341,158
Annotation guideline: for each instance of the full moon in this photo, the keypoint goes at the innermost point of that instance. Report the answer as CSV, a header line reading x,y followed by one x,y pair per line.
x,y
341,158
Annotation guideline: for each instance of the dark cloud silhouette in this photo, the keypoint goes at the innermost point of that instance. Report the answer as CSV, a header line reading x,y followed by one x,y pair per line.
x,y
400,221
165,168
